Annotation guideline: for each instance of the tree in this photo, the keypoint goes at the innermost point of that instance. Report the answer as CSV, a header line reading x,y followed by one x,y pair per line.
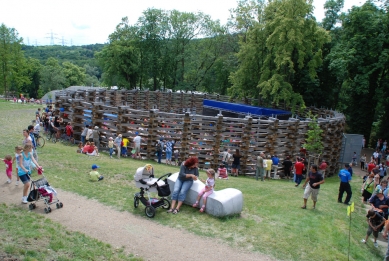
x,y
74,74
52,76
12,62
33,72
313,142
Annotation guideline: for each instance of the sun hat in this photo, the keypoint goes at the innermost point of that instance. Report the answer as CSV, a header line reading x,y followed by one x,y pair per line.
x,y
120,135
110,138
96,127
94,166
378,191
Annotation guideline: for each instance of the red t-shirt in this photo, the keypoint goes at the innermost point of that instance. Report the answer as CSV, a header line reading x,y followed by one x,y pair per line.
x,y
69,130
299,166
370,167
323,166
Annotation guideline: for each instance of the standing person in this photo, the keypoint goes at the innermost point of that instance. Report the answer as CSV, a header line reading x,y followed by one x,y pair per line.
x,y
370,167
298,169
379,202
159,149
350,169
275,161
18,151
287,167
27,138
110,146
269,163
169,152
207,190
375,156
314,180
189,172
236,163
26,162
118,144
96,137
354,159
89,134
137,140
260,170
69,131
8,167
363,142
345,179
363,161
368,188
83,134
31,133
323,167
124,146
375,223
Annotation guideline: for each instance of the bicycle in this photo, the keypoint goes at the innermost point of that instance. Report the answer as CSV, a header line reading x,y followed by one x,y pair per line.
x,y
39,140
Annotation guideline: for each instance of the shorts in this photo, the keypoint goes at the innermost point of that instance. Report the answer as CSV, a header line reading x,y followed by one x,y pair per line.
x,y
25,178
137,148
370,230
168,155
309,191
235,166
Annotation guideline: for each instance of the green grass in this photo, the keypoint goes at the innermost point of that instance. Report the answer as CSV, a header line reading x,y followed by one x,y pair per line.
x,y
272,221
28,236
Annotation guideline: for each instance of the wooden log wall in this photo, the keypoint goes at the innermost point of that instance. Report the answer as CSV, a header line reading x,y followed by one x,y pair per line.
x,y
198,135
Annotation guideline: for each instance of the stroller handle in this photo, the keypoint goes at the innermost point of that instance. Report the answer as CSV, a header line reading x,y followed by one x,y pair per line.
x,y
167,174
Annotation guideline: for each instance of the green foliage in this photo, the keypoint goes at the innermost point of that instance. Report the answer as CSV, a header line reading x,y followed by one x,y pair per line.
x,y
12,61
52,76
314,142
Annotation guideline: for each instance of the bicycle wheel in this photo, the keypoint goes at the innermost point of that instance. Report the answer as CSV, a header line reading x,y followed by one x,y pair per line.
x,y
40,141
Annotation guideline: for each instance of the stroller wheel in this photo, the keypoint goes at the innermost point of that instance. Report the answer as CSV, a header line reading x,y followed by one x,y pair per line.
x,y
136,202
57,205
166,204
60,205
150,211
47,211
31,206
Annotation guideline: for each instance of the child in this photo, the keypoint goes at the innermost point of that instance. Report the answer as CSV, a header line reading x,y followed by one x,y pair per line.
x,y
222,172
375,222
27,163
110,146
207,190
18,151
80,147
8,167
94,175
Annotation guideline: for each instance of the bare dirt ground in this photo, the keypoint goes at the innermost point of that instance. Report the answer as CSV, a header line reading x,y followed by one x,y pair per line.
x,y
138,235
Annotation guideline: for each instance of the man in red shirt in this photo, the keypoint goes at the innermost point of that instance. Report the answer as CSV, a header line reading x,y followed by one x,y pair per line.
x,y
298,168
370,167
69,130
323,167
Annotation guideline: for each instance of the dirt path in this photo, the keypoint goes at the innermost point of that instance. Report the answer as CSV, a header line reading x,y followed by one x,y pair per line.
x,y
138,235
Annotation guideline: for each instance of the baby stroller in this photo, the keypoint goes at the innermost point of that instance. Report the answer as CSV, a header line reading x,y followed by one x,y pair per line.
x,y
41,190
145,180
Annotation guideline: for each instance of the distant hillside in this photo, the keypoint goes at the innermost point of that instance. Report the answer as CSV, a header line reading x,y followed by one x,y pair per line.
x,y
79,55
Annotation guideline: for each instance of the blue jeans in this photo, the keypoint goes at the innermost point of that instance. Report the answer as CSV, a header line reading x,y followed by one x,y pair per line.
x,y
181,189
299,178
110,151
83,140
159,154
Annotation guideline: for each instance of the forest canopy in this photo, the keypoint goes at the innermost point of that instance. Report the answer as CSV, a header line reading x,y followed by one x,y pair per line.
x,y
272,52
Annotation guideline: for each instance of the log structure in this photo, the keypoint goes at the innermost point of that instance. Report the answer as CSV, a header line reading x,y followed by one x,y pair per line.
x,y
177,117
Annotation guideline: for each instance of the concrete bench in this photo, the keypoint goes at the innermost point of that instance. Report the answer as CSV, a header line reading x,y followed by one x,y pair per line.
x,y
220,203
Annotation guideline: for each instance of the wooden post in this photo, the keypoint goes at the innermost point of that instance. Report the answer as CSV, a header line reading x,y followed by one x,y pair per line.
x,y
245,146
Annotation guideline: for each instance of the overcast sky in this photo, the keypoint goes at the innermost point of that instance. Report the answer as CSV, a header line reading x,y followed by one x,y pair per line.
x,y
81,22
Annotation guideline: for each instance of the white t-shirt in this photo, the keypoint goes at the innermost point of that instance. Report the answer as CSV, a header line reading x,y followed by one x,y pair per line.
x,y
137,140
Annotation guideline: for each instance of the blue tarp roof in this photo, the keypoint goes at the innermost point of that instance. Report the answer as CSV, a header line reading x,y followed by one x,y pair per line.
x,y
242,109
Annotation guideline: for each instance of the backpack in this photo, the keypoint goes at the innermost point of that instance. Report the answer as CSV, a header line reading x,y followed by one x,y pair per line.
x,y
159,146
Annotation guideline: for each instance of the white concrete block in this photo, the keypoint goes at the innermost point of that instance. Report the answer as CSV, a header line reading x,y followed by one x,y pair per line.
x,y
220,203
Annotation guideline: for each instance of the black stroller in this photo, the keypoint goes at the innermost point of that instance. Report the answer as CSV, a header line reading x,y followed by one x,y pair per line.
x,y
145,180
41,190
